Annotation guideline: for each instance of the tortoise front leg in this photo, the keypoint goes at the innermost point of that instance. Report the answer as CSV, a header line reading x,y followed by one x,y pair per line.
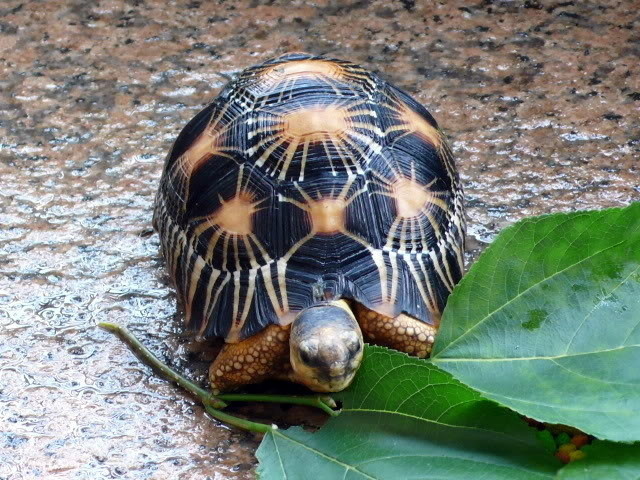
x,y
403,333
260,357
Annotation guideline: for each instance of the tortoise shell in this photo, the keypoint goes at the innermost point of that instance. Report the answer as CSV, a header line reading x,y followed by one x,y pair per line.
x,y
309,179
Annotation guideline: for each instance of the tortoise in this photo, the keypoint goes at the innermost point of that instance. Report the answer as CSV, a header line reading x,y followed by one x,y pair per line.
x,y
308,207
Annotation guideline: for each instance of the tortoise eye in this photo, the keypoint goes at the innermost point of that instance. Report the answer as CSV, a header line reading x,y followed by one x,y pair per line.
x,y
354,347
304,356
352,342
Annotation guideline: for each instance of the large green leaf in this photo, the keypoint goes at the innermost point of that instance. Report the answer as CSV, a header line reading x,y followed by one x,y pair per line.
x,y
404,418
392,382
606,461
547,322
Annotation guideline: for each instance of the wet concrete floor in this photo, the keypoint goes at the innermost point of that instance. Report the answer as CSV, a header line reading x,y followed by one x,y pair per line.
x,y
540,101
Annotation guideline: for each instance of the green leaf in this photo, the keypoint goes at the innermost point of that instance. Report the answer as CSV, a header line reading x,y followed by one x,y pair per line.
x,y
547,322
404,418
606,461
392,382
379,446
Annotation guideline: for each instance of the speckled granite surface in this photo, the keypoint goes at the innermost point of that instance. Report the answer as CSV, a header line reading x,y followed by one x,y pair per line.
x,y
541,103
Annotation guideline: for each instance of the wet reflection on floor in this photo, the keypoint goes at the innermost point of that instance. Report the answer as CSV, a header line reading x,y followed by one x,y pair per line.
x,y
541,105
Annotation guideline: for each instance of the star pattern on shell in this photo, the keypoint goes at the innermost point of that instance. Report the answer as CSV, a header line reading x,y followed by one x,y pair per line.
x,y
309,175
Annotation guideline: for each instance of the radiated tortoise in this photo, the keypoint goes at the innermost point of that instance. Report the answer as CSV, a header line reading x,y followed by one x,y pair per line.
x,y
309,205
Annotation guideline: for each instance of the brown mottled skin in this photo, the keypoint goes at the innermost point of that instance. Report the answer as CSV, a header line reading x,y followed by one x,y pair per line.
x,y
258,358
402,333
266,355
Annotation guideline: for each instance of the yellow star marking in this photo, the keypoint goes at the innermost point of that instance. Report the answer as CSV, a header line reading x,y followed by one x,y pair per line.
x,y
410,196
328,216
411,122
209,143
306,68
235,216
315,123
232,223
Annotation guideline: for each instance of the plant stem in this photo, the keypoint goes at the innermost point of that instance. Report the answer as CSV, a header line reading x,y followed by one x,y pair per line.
x,y
149,358
212,403
238,422
324,403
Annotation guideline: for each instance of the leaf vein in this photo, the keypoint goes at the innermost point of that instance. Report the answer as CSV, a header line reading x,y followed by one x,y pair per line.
x,y
594,379
518,359
501,307
575,334
436,422
321,454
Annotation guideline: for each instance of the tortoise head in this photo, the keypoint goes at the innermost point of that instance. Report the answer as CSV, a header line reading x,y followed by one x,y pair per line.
x,y
326,347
